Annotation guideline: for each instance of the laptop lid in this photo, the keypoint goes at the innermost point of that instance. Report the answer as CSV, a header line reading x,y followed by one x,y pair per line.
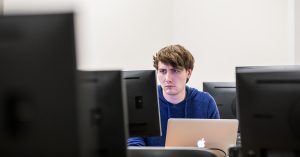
x,y
213,134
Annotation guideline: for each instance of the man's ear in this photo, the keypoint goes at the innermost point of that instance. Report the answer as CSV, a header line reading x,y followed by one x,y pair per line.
x,y
189,72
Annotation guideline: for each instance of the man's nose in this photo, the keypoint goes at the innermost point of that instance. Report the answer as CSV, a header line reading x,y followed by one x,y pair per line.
x,y
168,76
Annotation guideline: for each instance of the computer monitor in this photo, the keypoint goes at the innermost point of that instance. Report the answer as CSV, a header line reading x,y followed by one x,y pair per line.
x,y
102,113
269,106
224,94
38,114
39,111
143,104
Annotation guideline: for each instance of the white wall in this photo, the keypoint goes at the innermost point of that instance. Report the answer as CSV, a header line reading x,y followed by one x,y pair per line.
x,y
122,34
37,6
297,31
1,7
223,34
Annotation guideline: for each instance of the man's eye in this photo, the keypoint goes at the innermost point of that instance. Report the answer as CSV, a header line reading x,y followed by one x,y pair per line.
x,y
162,71
176,71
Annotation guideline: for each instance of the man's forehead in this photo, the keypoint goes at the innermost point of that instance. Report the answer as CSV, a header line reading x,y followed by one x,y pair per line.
x,y
162,65
169,67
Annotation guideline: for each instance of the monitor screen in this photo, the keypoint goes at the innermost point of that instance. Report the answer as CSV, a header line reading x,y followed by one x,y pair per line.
x,y
224,94
39,110
38,86
143,105
269,107
103,114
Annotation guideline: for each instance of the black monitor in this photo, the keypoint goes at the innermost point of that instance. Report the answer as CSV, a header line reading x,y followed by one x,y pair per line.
x,y
143,104
269,106
39,113
103,114
224,94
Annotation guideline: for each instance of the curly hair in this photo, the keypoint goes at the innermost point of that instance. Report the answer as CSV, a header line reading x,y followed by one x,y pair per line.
x,y
174,55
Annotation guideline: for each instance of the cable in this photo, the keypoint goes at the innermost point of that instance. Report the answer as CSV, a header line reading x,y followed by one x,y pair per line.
x,y
218,150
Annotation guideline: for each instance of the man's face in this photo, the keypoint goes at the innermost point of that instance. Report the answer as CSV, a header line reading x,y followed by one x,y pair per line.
x,y
172,80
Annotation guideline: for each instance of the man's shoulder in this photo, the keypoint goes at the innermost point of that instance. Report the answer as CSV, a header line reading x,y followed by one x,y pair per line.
x,y
199,95
196,91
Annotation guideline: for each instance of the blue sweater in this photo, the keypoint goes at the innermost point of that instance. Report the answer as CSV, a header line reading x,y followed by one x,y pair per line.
x,y
196,105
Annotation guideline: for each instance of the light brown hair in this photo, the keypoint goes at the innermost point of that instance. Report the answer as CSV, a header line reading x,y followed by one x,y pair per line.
x,y
176,56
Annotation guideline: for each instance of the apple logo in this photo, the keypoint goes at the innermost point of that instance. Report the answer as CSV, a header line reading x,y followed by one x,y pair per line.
x,y
201,143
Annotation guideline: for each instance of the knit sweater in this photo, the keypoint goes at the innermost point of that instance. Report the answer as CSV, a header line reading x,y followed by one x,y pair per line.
x,y
196,104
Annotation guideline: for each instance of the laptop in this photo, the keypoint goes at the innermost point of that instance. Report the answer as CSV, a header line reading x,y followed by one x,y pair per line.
x,y
212,134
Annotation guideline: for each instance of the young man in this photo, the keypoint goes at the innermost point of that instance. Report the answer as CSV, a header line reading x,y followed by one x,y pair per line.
x,y
174,65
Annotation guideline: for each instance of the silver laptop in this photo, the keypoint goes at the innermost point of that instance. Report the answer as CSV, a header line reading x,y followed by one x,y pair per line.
x,y
213,134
